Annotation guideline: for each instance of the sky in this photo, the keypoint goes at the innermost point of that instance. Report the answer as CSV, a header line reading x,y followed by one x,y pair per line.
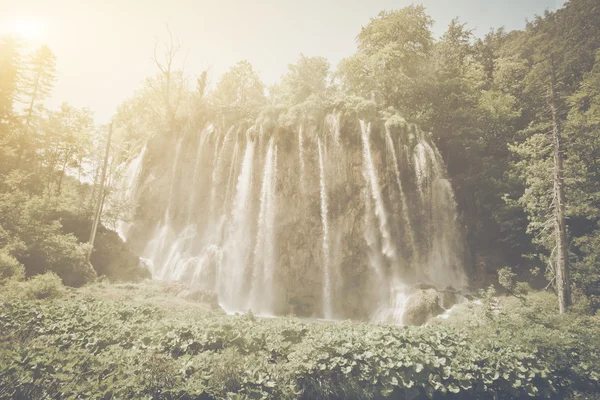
x,y
104,47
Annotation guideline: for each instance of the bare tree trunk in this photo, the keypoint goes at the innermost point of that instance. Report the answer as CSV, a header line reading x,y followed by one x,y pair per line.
x,y
99,204
563,282
93,194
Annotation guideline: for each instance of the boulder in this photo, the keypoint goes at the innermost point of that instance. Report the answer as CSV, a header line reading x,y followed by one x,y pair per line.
x,y
426,303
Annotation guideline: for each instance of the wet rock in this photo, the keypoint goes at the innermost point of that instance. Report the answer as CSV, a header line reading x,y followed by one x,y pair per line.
x,y
428,302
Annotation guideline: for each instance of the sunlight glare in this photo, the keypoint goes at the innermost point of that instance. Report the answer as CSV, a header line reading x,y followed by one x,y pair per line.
x,y
26,28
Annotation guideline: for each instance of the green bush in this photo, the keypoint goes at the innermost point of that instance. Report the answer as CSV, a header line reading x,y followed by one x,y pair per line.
x,y
10,268
45,286
111,256
30,228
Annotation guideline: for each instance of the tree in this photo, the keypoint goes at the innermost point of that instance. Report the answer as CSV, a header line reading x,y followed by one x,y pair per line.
x,y
170,82
309,76
10,71
38,81
544,157
39,78
393,52
100,201
582,146
9,76
240,94
563,281
65,143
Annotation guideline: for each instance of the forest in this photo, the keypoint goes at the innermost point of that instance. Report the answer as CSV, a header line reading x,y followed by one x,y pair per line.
x,y
420,221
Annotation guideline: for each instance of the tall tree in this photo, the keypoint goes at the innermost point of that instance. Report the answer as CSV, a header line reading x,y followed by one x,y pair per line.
x,y
171,83
563,281
65,141
38,81
101,194
308,76
10,68
393,53
9,75
39,78
239,94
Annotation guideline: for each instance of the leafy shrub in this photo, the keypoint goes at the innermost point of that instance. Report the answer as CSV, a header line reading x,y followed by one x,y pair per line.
x,y
106,349
10,268
34,235
45,286
227,371
111,256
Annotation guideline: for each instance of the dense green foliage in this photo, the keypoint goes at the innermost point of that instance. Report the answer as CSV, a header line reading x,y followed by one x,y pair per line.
x,y
88,347
46,158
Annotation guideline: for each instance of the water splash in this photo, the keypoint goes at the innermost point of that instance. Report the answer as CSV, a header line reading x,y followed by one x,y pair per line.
x,y
156,247
392,311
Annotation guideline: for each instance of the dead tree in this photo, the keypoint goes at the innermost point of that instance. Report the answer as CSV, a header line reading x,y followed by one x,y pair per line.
x,y
563,282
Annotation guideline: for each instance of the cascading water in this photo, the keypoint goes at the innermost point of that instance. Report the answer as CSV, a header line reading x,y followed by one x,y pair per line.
x,y
261,296
301,157
371,173
327,294
131,180
336,218
408,229
233,273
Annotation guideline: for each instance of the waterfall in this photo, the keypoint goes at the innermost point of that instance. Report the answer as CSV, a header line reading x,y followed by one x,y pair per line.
x,y
195,187
234,271
261,296
173,184
443,257
156,246
301,157
311,221
327,295
408,229
393,311
130,185
388,247
215,180
236,150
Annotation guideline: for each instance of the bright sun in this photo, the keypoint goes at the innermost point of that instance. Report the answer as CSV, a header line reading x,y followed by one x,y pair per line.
x,y
27,28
